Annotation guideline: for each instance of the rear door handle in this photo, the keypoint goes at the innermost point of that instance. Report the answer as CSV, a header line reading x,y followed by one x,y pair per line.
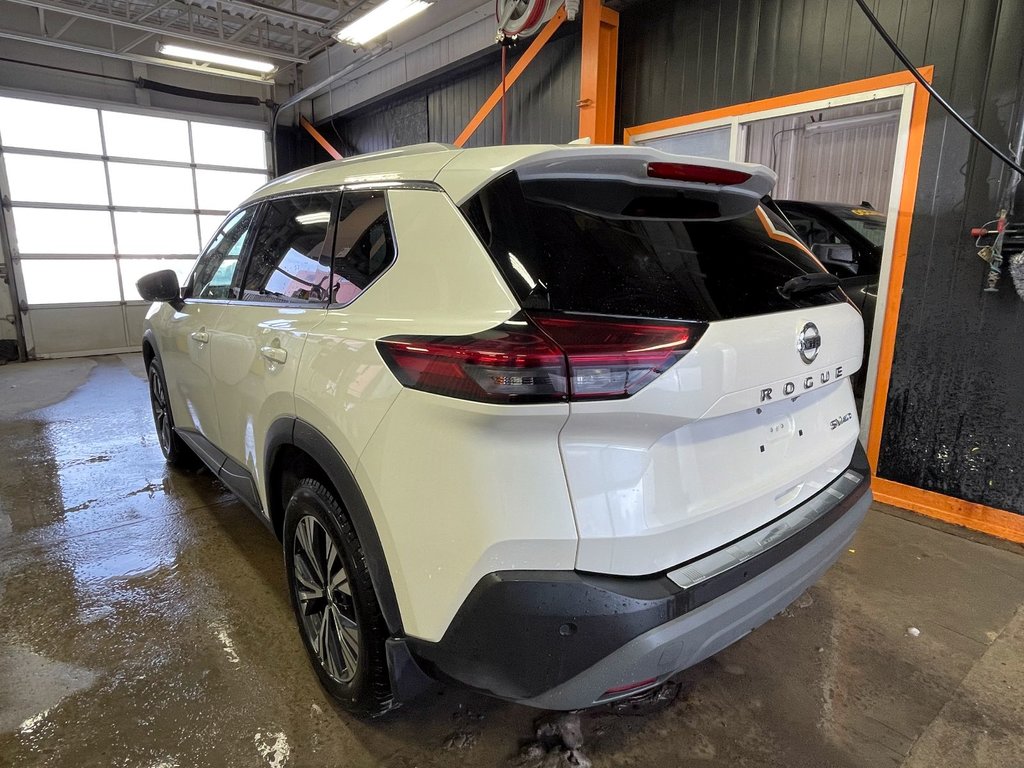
x,y
201,336
274,354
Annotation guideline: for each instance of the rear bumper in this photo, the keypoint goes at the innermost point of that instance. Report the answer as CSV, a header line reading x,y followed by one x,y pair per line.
x,y
567,640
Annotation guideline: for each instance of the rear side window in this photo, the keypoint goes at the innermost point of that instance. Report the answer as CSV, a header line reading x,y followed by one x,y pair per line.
x,y
289,261
364,245
616,248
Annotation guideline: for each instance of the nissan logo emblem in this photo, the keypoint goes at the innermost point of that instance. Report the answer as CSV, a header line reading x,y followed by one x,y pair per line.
x,y
808,341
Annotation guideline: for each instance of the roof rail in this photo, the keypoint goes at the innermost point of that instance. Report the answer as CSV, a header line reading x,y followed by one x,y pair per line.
x,y
412,149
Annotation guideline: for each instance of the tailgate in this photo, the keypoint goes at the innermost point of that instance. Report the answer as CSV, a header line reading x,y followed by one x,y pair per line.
x,y
714,448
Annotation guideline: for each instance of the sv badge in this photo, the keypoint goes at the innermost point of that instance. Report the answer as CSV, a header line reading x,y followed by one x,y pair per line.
x,y
836,423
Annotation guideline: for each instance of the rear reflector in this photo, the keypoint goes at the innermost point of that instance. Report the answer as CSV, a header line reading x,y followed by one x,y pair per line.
x,y
702,174
629,687
541,358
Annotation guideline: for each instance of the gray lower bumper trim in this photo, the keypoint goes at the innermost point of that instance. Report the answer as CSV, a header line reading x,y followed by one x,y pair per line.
x,y
708,629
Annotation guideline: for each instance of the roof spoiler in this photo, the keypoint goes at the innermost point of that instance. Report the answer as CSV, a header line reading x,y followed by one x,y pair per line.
x,y
735,188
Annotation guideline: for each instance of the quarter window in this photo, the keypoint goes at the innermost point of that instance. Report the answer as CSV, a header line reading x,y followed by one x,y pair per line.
x,y
364,245
215,270
288,261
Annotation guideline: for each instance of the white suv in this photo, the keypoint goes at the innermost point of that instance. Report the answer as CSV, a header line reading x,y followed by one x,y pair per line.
x,y
551,422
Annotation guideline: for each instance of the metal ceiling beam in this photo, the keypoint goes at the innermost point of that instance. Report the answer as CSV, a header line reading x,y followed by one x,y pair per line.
x,y
181,35
281,13
80,48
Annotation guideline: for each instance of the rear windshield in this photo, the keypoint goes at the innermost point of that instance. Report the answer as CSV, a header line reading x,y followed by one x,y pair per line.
x,y
618,248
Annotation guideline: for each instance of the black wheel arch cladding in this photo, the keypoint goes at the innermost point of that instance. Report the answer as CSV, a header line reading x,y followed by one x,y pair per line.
x,y
296,433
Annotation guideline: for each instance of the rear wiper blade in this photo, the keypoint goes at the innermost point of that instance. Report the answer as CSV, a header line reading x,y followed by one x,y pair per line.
x,y
807,285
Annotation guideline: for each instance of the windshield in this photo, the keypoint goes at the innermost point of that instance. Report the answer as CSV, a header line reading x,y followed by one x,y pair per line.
x,y
868,223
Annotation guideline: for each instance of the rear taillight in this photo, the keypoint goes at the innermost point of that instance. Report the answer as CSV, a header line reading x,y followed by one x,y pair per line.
x,y
541,358
513,363
702,174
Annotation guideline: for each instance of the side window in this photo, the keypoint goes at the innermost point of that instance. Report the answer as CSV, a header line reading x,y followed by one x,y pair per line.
x,y
214,273
363,246
289,262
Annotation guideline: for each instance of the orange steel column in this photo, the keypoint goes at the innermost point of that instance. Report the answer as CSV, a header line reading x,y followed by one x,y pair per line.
x,y
598,68
513,75
319,138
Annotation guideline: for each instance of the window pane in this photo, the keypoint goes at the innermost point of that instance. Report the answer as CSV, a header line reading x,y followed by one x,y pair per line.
x,y
288,261
363,245
41,230
145,137
151,186
713,142
35,179
68,281
133,269
223,190
209,224
35,125
156,233
229,145
215,269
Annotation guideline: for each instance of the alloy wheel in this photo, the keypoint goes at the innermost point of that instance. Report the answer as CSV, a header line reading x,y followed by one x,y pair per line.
x,y
324,596
161,410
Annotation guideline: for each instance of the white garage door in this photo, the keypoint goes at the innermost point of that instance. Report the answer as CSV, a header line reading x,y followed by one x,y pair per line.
x,y
100,197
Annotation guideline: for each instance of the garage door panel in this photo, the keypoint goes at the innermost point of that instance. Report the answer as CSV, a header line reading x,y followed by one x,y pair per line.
x,y
67,330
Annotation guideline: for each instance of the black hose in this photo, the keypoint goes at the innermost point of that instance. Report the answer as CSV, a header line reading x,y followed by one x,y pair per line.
x,y
224,98
935,94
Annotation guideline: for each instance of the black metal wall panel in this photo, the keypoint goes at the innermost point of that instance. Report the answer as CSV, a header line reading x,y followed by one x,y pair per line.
x,y
541,106
954,422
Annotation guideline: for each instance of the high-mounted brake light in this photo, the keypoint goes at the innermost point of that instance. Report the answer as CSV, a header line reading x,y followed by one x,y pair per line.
x,y
702,174
541,358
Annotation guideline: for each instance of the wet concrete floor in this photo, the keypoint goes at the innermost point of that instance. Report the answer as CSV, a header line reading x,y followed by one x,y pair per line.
x,y
144,621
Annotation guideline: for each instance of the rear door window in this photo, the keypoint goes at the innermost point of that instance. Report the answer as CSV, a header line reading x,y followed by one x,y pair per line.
x,y
618,248
289,261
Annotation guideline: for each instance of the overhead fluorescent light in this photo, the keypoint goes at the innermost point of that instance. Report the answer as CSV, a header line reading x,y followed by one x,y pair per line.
x,y
854,121
319,217
388,14
194,54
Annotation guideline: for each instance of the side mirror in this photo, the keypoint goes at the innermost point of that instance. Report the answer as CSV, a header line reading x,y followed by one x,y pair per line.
x,y
839,254
160,286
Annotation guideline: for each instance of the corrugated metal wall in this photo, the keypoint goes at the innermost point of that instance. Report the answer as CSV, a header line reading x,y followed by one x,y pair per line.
x,y
955,418
541,105
838,165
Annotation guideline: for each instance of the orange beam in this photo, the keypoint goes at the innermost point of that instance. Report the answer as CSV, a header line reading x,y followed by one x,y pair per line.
x,y
787,100
995,522
901,244
598,70
531,53
319,138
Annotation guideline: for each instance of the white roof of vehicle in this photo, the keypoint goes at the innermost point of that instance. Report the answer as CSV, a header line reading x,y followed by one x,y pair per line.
x,y
461,172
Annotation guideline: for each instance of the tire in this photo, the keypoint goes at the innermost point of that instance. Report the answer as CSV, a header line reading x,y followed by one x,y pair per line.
x,y
175,451
342,627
